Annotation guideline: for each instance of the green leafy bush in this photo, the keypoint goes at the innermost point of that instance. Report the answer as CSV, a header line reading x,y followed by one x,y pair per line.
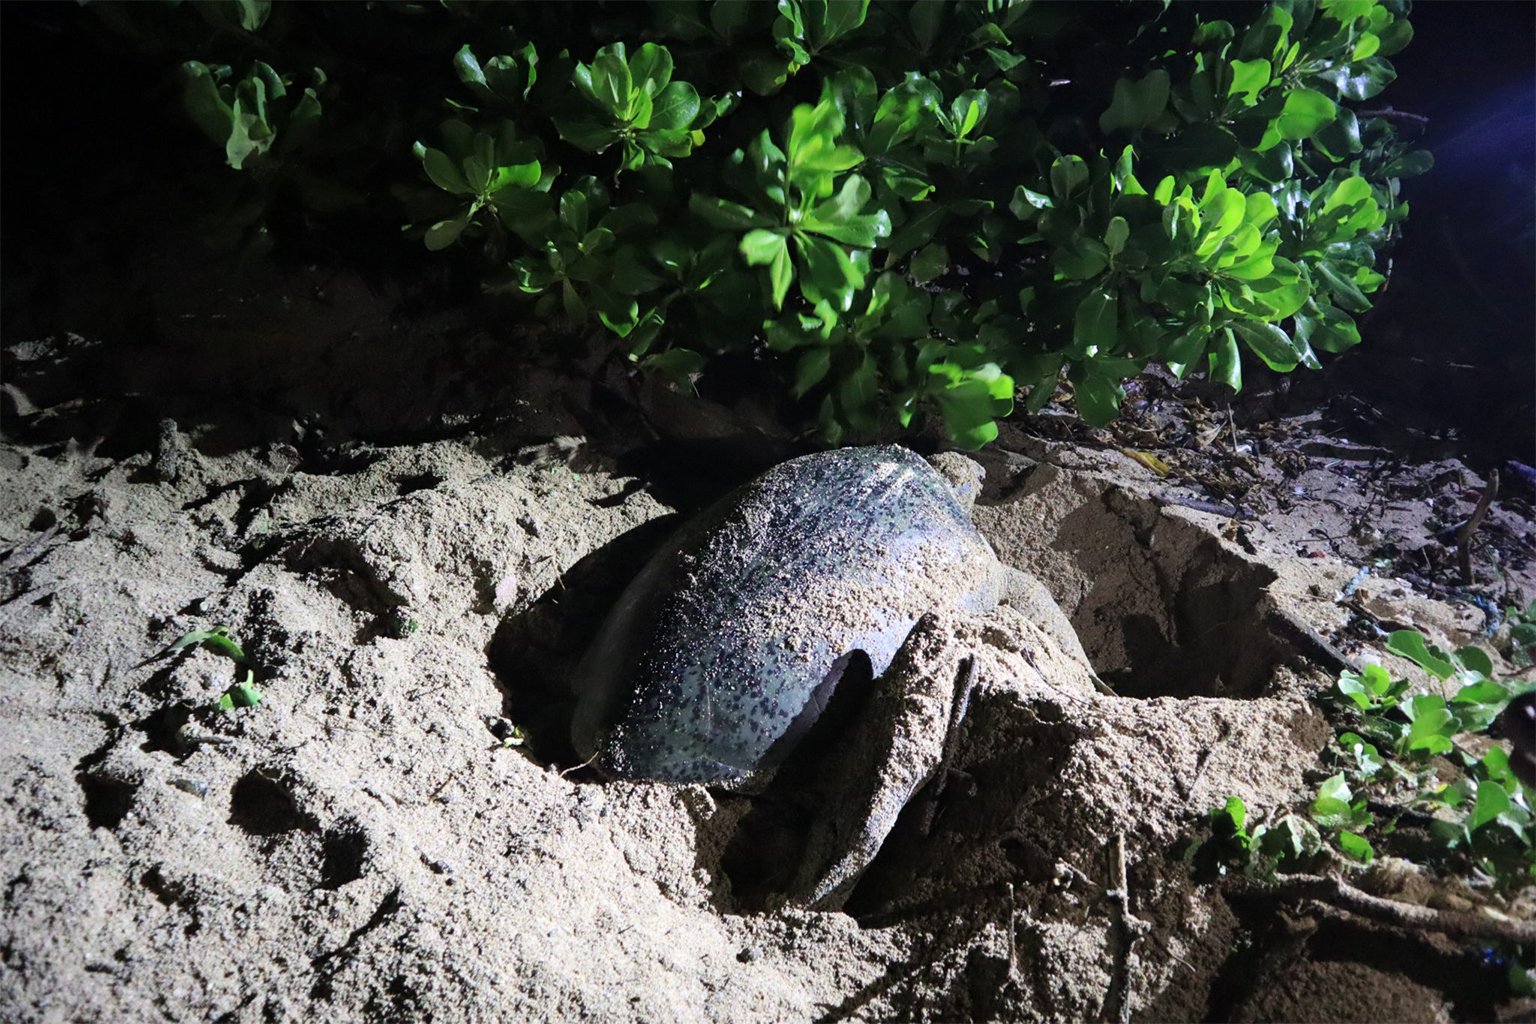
x,y
1407,744
1406,758
907,206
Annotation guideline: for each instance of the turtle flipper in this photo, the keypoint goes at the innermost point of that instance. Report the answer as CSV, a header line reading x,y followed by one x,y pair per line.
x,y
895,747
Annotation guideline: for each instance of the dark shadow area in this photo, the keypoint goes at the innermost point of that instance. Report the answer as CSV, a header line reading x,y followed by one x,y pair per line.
x,y
1169,612
174,894
761,858
1447,366
343,854
1010,756
535,652
1294,962
107,800
162,729
264,806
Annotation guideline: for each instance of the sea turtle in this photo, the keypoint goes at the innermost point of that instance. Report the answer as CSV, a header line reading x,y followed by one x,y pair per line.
x,y
727,646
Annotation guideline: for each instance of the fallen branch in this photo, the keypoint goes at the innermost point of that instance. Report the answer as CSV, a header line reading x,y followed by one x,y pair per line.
x,y
1397,115
1455,923
1464,538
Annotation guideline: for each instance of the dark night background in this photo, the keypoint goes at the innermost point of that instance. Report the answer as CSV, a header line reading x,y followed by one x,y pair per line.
x,y
1449,352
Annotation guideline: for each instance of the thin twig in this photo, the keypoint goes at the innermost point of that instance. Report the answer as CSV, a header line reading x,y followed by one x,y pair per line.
x,y
1464,538
1455,923
1397,115
1013,936
1129,928
960,706
1309,643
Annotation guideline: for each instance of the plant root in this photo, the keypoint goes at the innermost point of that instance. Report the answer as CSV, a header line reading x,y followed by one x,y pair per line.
x,y
1341,895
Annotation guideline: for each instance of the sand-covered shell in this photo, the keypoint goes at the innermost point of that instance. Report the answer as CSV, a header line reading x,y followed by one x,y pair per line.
x,y
714,658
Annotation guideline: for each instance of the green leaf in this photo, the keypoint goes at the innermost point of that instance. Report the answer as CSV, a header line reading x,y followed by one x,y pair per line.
x,y
1331,808
761,247
1360,80
1394,37
1136,104
1068,174
1347,193
1409,643
925,18
812,151
839,19
216,640
200,97
856,394
1492,801
721,213
1342,290
929,263
1473,659
1340,140
245,695
1269,343
1185,349
1291,839
611,82
1368,759
966,111
1116,234
1095,327
1235,812
650,69
1210,33
838,216
970,400
1195,148
1249,77
829,272
678,365
1225,365
591,136
811,369
770,249
780,274
1331,332
252,14
1098,398
515,176
1431,727
1410,164
1274,165
1027,203
445,232
468,68
675,107
903,110
1269,33
1357,847
1305,111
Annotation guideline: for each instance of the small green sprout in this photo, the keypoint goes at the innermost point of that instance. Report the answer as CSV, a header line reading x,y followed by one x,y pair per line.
x,y
242,694
216,640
